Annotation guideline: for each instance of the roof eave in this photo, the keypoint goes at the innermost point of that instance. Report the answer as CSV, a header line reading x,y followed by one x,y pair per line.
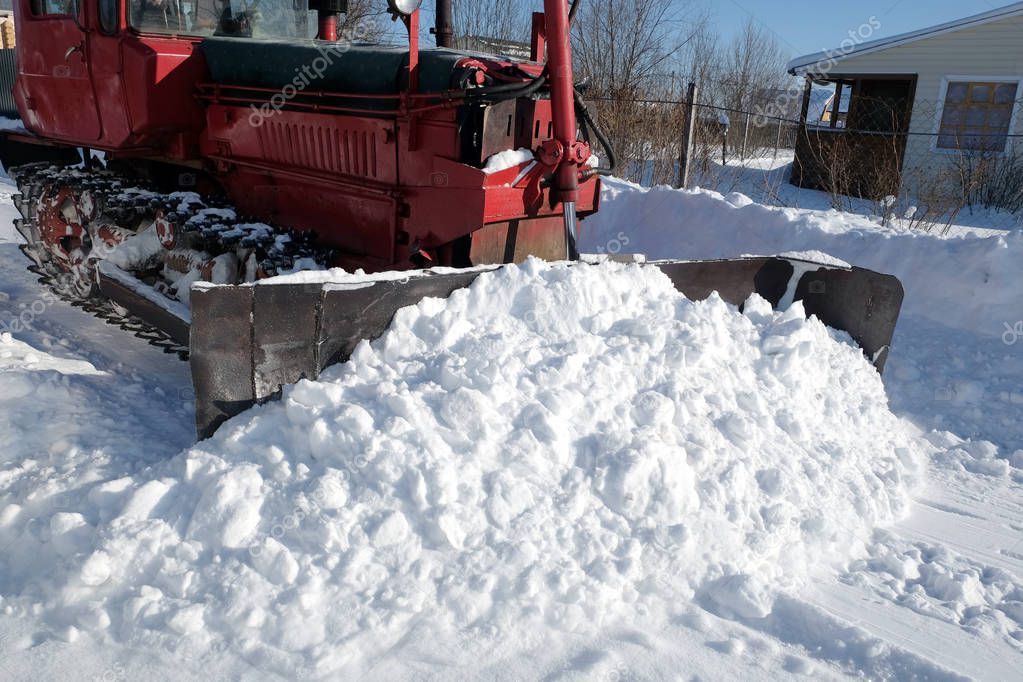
x,y
804,65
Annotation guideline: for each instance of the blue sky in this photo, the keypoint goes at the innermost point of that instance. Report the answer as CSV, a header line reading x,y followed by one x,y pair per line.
x,y
805,26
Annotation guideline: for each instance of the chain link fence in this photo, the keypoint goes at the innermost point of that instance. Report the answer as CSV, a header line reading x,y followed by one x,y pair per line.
x,y
923,163
649,136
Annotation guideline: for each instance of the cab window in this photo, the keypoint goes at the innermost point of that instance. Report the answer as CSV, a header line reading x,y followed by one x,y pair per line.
x,y
231,18
108,19
41,8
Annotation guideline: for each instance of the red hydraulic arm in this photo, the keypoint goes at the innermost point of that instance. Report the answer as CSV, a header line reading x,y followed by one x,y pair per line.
x,y
566,150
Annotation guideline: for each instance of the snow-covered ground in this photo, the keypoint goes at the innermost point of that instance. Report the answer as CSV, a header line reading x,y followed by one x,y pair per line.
x,y
557,474
765,180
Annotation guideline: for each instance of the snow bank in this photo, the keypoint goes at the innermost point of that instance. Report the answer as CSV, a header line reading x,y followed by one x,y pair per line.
x,y
17,357
963,282
550,451
58,414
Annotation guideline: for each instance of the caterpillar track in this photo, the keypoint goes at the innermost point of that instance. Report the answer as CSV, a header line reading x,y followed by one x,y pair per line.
x,y
108,311
74,218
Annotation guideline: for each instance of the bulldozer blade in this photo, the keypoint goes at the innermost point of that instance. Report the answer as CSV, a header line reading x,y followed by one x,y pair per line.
x,y
862,303
247,342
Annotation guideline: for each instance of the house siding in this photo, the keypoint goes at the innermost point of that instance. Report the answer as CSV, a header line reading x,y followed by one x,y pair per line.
x,y
990,50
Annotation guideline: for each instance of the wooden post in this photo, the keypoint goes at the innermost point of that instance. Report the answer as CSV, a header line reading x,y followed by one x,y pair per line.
x,y
802,134
777,141
836,108
745,136
685,161
804,111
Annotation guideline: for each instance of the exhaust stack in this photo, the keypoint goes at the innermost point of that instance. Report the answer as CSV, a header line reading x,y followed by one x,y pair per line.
x,y
445,30
328,13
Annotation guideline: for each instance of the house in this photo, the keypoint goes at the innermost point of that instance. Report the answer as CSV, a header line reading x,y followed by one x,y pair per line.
x,y
915,113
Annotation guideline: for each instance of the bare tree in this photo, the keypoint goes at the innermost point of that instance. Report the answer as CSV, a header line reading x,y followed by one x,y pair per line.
x,y
364,20
753,69
508,20
747,79
701,56
622,45
628,52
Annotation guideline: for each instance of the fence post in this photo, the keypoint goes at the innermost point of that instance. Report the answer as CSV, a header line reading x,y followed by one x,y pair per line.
x,y
798,175
686,155
777,141
745,136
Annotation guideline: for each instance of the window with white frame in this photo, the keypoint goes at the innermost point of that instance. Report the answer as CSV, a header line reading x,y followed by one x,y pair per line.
x,y
977,115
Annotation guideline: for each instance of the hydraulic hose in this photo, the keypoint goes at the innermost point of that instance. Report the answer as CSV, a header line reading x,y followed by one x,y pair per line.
x,y
587,118
516,90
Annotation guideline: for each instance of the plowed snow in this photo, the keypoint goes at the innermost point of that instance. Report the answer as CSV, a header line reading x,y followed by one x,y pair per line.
x,y
551,451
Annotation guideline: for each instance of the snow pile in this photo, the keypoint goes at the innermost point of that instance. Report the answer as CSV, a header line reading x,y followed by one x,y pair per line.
x,y
983,296
550,451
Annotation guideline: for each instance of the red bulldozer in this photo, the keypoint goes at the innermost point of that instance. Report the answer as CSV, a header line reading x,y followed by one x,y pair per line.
x,y
177,157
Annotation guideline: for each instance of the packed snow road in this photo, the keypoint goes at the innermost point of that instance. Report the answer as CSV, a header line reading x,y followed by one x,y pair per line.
x,y
494,489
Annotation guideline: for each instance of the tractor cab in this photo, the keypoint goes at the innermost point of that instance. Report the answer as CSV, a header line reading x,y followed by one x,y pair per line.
x,y
108,74
122,74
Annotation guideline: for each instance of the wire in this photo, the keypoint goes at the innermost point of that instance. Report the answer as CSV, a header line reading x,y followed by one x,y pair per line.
x,y
587,118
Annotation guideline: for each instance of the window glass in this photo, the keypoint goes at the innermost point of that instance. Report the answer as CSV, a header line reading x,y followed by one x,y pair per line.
x,y
822,105
954,115
977,116
54,7
980,92
1005,93
108,16
233,18
1000,116
957,93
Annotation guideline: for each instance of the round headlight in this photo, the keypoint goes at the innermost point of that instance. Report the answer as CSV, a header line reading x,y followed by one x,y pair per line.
x,y
404,7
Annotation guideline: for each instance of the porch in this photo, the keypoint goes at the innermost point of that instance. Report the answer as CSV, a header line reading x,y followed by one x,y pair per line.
x,y
854,142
